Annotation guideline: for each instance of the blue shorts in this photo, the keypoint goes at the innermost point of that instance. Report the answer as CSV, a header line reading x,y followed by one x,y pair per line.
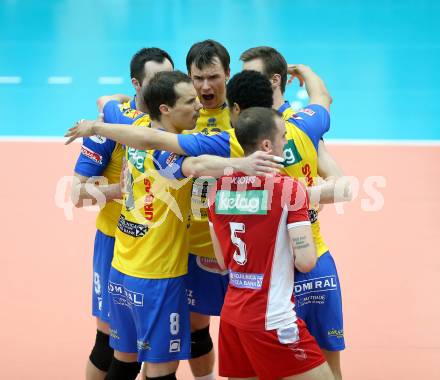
x,y
150,317
318,302
206,285
102,260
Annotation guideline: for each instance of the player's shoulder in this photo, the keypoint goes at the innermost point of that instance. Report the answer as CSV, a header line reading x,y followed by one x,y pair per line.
x,y
99,143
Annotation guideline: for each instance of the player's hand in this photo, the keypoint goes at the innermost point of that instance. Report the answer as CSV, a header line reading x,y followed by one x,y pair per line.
x,y
261,163
82,128
295,71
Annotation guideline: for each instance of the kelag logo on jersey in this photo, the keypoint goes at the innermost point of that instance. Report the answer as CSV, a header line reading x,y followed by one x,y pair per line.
x,y
137,158
241,202
291,154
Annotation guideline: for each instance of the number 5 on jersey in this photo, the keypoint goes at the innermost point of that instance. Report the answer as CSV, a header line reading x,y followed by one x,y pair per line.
x,y
240,256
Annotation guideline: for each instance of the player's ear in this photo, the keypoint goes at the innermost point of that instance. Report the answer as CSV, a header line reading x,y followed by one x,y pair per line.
x,y
228,74
236,108
276,80
135,84
266,145
164,109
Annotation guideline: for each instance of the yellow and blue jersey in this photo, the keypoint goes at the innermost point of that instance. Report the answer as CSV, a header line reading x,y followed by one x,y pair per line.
x,y
151,236
209,122
304,130
286,111
103,157
301,154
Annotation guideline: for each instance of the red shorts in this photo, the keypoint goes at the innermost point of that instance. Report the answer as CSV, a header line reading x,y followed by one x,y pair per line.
x,y
267,354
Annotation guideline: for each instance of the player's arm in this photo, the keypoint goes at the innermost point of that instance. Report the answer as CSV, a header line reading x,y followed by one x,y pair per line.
x,y
334,187
303,246
217,248
258,163
299,227
315,87
86,191
103,100
138,138
89,185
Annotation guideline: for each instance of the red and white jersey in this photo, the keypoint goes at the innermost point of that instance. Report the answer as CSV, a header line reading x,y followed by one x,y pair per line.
x,y
251,217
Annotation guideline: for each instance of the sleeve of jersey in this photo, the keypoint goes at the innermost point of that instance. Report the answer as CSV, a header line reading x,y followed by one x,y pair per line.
x,y
197,144
114,115
94,157
298,214
169,165
111,112
314,120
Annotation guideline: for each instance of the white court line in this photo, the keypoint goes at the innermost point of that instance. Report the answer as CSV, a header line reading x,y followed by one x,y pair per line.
x,y
10,80
358,142
59,80
110,80
37,139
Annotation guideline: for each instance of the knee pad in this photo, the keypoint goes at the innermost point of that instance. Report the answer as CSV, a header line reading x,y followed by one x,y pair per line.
x,y
102,354
201,343
123,371
170,376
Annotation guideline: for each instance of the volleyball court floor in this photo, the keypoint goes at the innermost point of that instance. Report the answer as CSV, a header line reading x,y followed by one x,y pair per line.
x,y
388,261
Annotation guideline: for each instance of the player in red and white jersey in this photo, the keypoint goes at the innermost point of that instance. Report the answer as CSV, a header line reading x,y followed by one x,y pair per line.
x,y
255,222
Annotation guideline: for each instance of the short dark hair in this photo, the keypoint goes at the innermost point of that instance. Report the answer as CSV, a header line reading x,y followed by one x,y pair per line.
x,y
143,56
249,89
255,124
203,54
273,62
162,90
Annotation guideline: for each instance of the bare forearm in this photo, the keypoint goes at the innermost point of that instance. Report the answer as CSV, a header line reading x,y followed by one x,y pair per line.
x,y
123,133
258,163
334,187
315,87
213,166
323,193
141,138
303,248
87,194
332,190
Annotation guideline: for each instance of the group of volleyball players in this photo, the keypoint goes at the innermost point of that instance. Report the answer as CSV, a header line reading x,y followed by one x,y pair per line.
x,y
157,276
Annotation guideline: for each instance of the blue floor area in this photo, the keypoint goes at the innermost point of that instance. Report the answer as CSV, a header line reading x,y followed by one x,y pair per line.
x,y
380,59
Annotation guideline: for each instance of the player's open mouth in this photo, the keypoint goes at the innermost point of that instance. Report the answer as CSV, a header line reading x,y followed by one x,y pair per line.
x,y
208,97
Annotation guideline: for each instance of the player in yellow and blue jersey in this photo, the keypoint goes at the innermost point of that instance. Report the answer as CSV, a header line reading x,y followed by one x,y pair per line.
x,y
102,158
310,150
148,305
207,63
318,293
